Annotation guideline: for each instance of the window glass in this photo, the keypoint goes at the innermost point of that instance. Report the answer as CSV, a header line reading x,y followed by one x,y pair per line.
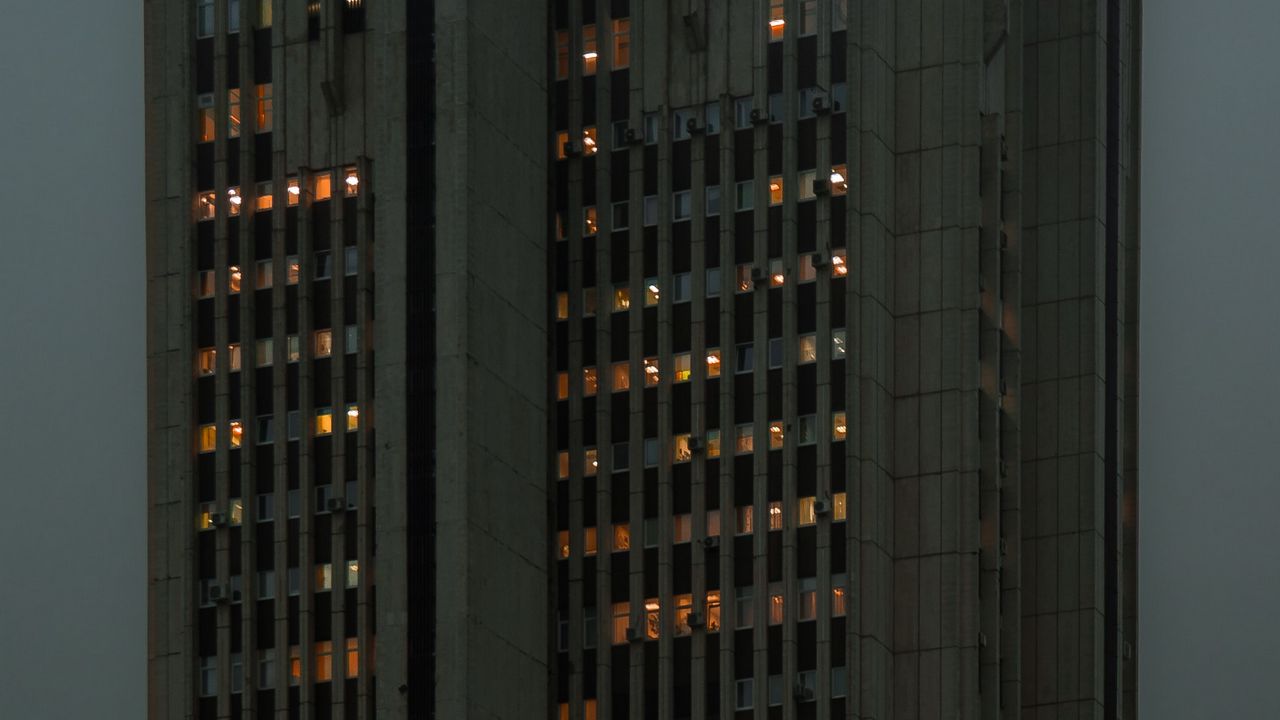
x,y
589,223
652,292
838,426
712,113
742,113
776,109
808,273
350,260
266,508
293,424
293,190
651,128
804,183
233,350
233,16
744,608
324,661
208,676
204,118
650,452
589,52
683,367
263,355
839,181
208,438
233,112
652,374
839,267
206,361
621,536
652,616
777,274
590,462
713,282
620,218
621,456
264,13
775,190
589,383
680,452
837,343
683,289
562,54
713,200
775,515
589,302
234,201
204,18
744,195
562,462
680,124
295,664
206,206
713,450
350,181
621,43
265,109
562,306
323,186
621,376
775,353
775,690
839,14
353,417
621,621
621,298
562,386
839,507
562,544
776,435
808,348
650,210
713,363
266,429
777,25
805,511
682,528
323,343
745,442
324,265
324,421
808,17
292,270
351,339
263,198
808,429
743,281
839,595
205,284
681,205
745,358
292,352
776,604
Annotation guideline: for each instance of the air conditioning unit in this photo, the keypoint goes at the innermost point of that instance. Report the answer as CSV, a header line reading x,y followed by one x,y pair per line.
x,y
634,634
218,519
758,118
634,137
759,276
820,258
695,443
692,126
802,693
335,504
219,594
820,106
695,619
821,506
821,186
711,542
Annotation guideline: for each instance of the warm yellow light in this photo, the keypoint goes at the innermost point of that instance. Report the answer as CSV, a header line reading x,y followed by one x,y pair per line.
x,y
652,369
778,279
774,187
836,178
777,22
295,190
651,605
590,55
353,412
775,428
712,359
840,429
653,289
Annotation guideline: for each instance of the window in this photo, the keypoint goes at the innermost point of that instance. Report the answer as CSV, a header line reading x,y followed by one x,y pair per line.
x,y
351,339
775,690
323,343
353,417
808,349
323,186
266,584
713,446
589,383
292,351
621,43
777,25
204,18
293,425
589,53
713,611
839,507
651,372
713,282
775,190
745,443
742,113
265,200
652,293
621,537
293,269
775,515
266,430
776,435
744,694
324,577
808,273
590,145
745,358
713,363
839,183
562,461
713,200
683,289
684,606
206,206
808,17
263,356
590,628
204,518
324,421
589,302
324,265
206,361
621,621
204,118
807,680
839,16
233,112
650,452
807,96
776,108
621,298
233,203
265,111
562,544
805,511
839,428
683,369
562,54
837,344
266,668
621,456
744,608
233,16
204,284
839,679
562,306
808,609
589,538
621,376
650,210
681,206
264,13
775,604
353,574
208,438
350,260
680,124
712,113
295,665
233,350
808,429
350,181
209,676
652,618
620,219
804,182
266,507
353,657
293,190
838,595
651,128
590,462
324,661
744,195
777,273
839,266
680,449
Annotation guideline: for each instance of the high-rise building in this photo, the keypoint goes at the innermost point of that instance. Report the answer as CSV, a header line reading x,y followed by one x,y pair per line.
x,y
770,359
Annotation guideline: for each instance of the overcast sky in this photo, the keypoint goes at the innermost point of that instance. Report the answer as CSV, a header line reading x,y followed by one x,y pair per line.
x,y
72,445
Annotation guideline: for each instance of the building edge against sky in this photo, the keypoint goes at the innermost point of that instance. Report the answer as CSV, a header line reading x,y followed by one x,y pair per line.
x,y
955,531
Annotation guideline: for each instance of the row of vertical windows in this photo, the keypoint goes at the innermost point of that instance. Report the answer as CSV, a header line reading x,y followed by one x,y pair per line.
x,y
321,186
777,24
322,667
211,592
206,122
263,272
264,351
323,425
620,36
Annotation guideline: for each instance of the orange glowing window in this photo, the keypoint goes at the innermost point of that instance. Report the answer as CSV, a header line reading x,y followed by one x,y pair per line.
x,y
775,435
265,110
353,657
839,507
651,373
775,190
234,200
234,277
777,24
562,544
562,386
621,537
589,54
713,363
589,382
839,179
206,361
237,433
206,206
294,192
621,43
323,184
353,417
208,438
562,461
839,429
295,665
233,112
324,421
589,224
621,376
589,142
350,181
264,199
839,263
324,661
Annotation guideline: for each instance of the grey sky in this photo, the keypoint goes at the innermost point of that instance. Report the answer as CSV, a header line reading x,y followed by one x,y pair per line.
x,y
72,452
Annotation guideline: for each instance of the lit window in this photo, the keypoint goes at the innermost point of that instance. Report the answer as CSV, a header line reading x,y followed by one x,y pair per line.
x,y
621,298
839,507
682,528
651,373
651,292
713,200
805,511
294,191
683,288
265,199
353,417
562,544
204,516
839,265
234,201
208,438
562,54
350,181
808,273
205,125
324,421
621,43
837,344
775,605
839,179
777,274
262,276
713,611
589,224
680,449
744,691
204,18
209,676
650,210
745,442
589,540
353,657
590,462
353,574
713,363
589,383
233,351
621,537
237,433
776,435
620,218
204,284
621,622
590,145
808,348
206,361
775,190
652,619
684,606
838,427
233,112
263,356
745,358
744,193
350,260
324,577
589,54
206,206
589,302
681,205
808,429
839,595
561,234
295,665
777,25
265,111
775,515
621,376
713,443
562,462
621,456
562,386
683,371
562,306
324,661
322,186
